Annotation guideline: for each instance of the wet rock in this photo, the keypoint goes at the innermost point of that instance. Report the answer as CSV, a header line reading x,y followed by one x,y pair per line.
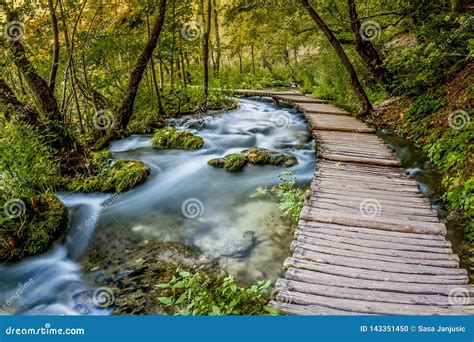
x,y
254,155
241,248
258,155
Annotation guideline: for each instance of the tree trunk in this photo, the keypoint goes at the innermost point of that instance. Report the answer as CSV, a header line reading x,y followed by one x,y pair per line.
x,y
367,51
55,62
206,54
354,80
253,58
218,38
125,111
161,111
43,94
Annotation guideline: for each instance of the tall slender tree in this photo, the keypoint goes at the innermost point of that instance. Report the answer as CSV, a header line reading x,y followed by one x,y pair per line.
x,y
125,111
205,39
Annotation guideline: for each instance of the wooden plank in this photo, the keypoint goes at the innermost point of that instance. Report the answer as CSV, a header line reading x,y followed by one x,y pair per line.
x,y
300,231
377,233
375,265
385,275
328,216
378,308
373,256
311,277
327,246
301,310
372,295
368,161
311,109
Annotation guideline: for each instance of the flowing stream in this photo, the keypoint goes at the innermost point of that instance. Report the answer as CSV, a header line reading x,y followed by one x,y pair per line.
x,y
183,201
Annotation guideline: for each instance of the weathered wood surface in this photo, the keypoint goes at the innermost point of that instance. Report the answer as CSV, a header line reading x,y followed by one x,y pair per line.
x,y
367,241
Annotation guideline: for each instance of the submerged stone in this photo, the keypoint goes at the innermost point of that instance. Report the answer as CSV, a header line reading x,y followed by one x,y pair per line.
x,y
171,138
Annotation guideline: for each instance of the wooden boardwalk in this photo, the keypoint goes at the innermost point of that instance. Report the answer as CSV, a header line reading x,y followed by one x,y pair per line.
x,y
367,241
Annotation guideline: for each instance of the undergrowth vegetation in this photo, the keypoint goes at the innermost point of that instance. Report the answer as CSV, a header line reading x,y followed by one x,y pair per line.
x,y
290,197
197,293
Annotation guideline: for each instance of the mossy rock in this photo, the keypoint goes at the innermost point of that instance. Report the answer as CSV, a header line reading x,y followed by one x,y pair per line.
x,y
44,221
234,162
261,156
217,162
170,138
108,175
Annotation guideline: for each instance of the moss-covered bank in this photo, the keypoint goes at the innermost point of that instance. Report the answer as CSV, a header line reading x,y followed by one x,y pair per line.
x,y
32,226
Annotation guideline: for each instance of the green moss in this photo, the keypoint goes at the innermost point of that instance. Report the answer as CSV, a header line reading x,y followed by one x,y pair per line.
x,y
121,176
170,138
44,221
234,162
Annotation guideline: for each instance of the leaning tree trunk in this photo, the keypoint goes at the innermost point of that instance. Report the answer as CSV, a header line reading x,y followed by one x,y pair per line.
x,y
205,45
40,88
354,80
367,51
125,111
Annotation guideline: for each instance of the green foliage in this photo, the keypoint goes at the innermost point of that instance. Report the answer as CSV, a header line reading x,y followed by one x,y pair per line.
x,y
199,294
27,164
290,197
170,138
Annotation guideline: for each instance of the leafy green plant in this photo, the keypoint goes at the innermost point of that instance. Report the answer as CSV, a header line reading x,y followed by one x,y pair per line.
x,y
199,294
291,197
